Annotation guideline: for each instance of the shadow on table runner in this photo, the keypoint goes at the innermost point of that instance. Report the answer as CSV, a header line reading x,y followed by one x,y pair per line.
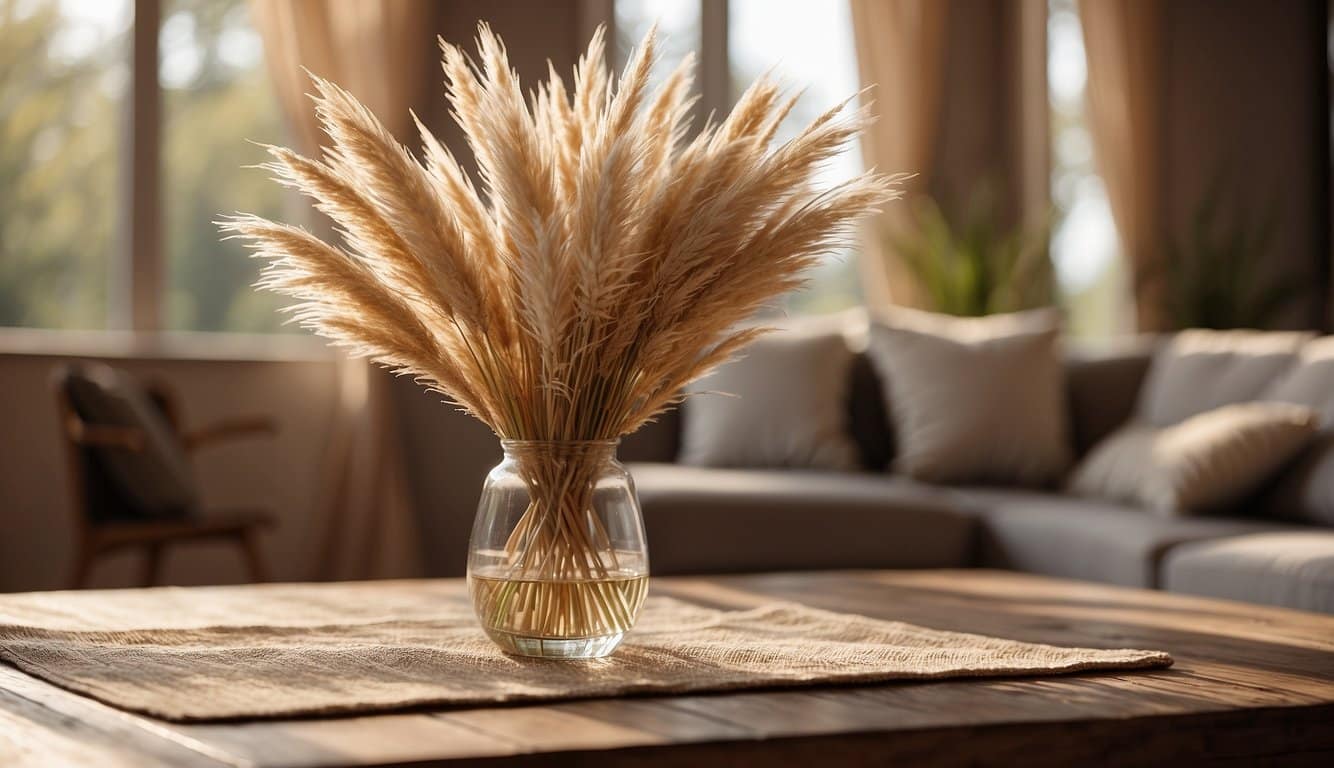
x,y
228,653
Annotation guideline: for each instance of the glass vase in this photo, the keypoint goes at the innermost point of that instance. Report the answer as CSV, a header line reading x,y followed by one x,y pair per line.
x,y
557,565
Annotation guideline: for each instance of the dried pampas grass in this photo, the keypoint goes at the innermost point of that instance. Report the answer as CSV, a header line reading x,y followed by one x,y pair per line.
x,y
605,261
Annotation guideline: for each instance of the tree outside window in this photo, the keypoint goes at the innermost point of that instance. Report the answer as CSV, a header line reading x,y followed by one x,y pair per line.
x,y
64,85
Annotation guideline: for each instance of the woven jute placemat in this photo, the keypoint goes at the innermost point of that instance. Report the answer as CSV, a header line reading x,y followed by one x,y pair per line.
x,y
227,653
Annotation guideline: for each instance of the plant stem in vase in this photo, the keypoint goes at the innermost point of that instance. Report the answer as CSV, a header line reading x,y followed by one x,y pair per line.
x,y
558,564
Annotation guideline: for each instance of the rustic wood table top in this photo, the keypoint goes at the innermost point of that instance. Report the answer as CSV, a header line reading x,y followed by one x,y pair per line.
x,y
1250,684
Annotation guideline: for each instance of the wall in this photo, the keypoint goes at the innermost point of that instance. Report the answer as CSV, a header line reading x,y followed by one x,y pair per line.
x,y
1242,95
284,473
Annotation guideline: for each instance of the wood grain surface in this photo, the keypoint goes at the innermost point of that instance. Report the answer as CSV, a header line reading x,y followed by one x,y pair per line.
x,y
1251,684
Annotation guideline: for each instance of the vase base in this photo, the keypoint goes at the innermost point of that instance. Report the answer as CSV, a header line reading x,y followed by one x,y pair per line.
x,y
554,647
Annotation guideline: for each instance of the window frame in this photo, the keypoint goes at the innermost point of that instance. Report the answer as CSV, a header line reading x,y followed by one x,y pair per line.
x,y
714,74
135,322
137,272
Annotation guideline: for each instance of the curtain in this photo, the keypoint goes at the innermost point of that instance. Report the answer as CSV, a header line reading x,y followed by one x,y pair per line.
x,y
901,57
382,51
1123,43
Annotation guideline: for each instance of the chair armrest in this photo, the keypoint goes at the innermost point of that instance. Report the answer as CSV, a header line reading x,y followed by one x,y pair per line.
x,y
105,436
229,429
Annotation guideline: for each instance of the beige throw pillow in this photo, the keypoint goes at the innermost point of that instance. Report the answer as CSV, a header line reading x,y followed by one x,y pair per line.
x,y
1200,370
787,405
1203,463
974,399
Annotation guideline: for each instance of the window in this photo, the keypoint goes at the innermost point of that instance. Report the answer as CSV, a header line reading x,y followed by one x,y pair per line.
x,y
65,99
678,31
215,95
807,45
63,77
1084,247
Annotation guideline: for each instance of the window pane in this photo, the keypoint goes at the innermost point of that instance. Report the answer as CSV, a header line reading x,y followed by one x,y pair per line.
x,y
64,71
807,45
1084,243
678,32
216,96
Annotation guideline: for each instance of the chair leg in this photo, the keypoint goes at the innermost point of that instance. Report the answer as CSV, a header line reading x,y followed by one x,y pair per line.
x,y
249,541
152,565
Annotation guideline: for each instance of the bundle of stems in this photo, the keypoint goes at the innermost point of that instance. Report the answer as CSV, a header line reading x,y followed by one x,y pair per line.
x,y
603,261
562,573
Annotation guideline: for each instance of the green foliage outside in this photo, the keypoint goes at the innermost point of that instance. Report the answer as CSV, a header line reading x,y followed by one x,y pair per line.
x,y
976,266
209,122
61,139
59,146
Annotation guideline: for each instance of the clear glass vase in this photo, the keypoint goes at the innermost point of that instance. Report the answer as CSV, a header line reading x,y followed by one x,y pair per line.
x,y
557,565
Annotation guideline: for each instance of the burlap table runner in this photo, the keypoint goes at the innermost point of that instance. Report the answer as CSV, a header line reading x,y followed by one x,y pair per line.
x,y
297,649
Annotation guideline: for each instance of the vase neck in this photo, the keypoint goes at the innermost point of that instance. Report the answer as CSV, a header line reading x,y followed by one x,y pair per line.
x,y
560,449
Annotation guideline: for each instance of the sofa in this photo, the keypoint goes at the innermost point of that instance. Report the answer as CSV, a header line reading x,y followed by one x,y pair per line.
x,y
719,520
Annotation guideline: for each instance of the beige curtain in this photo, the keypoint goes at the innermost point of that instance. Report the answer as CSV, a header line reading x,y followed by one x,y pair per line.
x,y
901,57
1123,43
382,51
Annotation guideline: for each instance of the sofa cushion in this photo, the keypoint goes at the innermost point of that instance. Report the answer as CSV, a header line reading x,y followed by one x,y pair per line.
x,y
1310,382
1305,492
781,403
1291,569
1207,462
658,440
703,520
975,399
868,419
1200,370
1102,387
1087,539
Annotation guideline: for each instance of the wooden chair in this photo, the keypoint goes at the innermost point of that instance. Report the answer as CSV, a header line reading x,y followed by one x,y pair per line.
x,y
106,520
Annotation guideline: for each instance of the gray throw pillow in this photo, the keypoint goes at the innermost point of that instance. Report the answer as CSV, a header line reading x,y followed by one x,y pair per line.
x,y
1305,492
1200,370
788,405
155,481
1310,381
974,399
1204,463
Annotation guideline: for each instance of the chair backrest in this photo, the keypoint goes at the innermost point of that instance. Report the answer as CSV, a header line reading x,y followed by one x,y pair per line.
x,y
150,479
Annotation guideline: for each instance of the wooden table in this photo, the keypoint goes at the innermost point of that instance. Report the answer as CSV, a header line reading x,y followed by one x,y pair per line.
x,y
1250,684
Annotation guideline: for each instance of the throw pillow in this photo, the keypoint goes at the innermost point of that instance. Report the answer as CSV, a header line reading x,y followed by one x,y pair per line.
x,y
1203,463
789,408
1310,381
155,480
1305,492
1200,370
974,399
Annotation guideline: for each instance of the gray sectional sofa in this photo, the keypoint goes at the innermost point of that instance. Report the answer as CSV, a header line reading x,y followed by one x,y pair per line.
x,y
703,520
